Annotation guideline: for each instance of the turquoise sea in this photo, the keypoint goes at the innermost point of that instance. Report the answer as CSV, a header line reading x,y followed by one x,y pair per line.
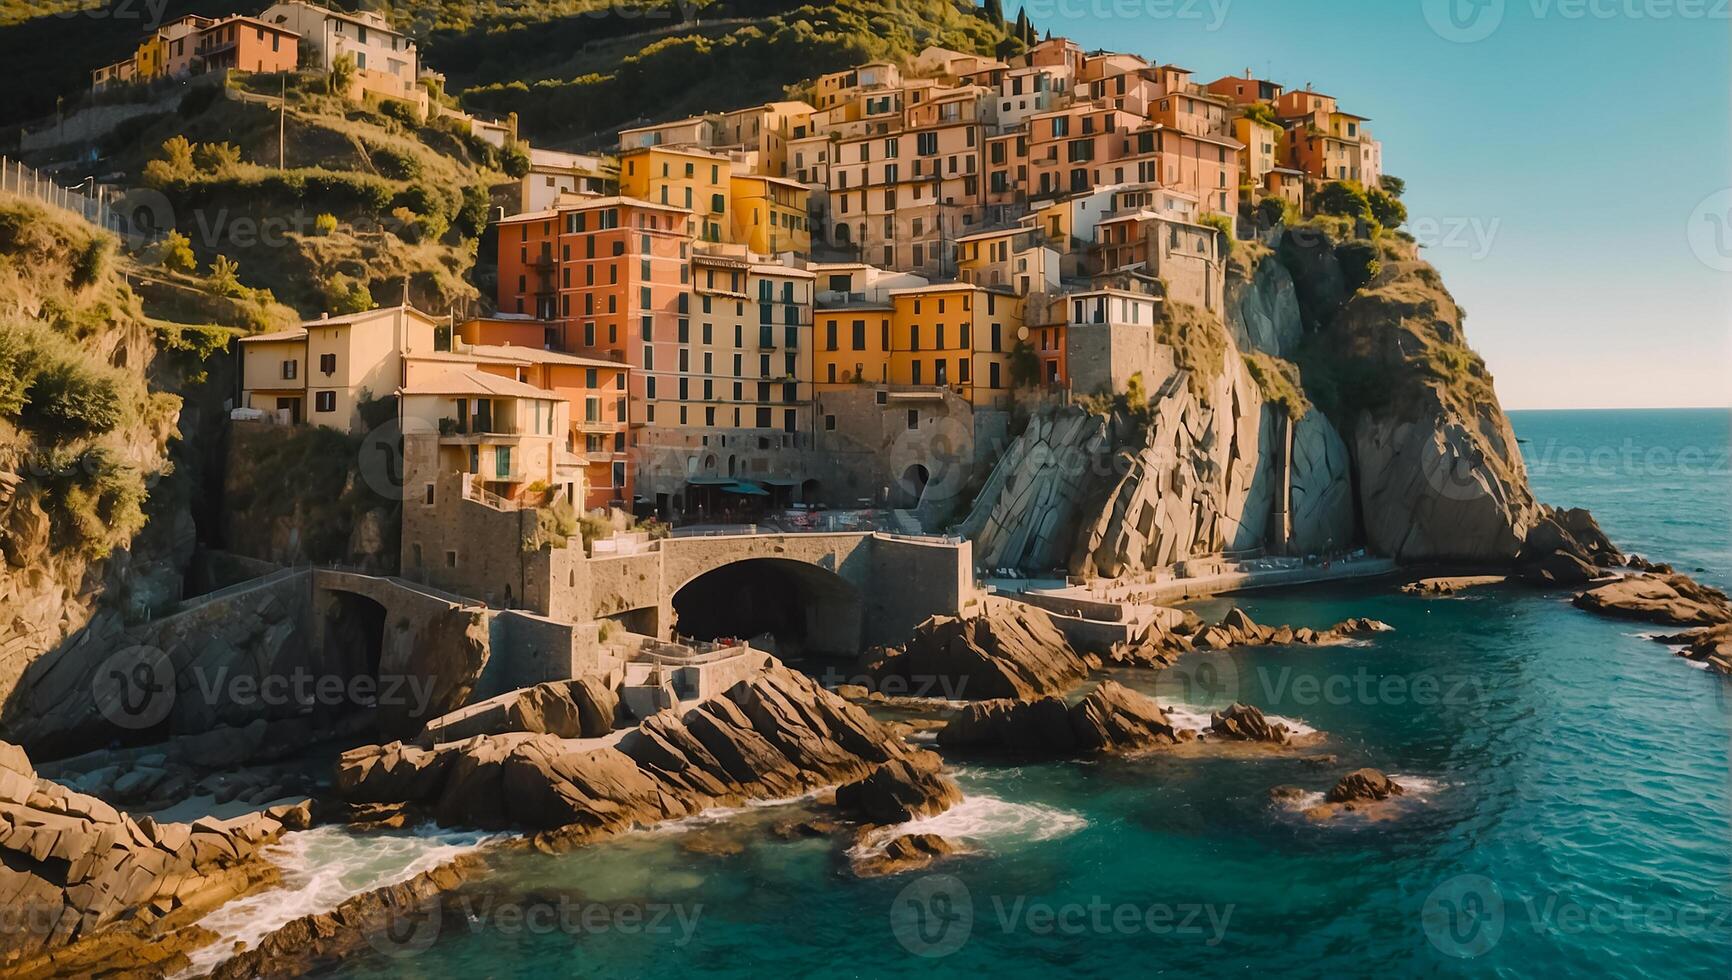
x,y
1571,813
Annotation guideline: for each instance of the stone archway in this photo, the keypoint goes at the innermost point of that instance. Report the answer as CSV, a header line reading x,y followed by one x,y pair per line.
x,y
808,609
911,485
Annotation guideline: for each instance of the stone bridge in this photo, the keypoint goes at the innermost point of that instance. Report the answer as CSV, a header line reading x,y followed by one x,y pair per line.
x,y
825,593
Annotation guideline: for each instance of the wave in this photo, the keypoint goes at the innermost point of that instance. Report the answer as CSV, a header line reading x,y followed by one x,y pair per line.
x,y
982,819
320,869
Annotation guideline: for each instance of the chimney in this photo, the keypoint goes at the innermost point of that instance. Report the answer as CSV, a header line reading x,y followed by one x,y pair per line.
x,y
325,315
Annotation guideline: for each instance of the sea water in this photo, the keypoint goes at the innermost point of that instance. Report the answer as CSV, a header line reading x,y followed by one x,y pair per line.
x,y
1568,811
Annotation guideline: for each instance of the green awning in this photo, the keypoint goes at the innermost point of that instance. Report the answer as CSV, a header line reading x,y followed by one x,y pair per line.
x,y
746,489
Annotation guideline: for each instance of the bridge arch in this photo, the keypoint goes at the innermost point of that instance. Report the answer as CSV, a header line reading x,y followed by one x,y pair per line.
x,y
808,608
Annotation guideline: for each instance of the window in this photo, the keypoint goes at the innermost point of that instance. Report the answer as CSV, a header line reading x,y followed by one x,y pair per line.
x,y
829,423
914,418
325,401
428,496
328,363
502,462
450,559
290,370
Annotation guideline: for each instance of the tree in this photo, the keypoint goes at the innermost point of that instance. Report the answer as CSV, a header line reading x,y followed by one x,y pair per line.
x,y
1021,29
995,12
514,159
1392,185
1345,198
343,71
1386,209
174,253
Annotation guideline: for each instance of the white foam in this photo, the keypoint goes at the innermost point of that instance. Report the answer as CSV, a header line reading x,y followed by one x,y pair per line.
x,y
1197,719
1303,802
320,869
722,814
1416,785
982,819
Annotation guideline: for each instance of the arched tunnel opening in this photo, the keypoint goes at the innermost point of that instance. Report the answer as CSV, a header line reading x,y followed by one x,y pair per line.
x,y
810,611
354,636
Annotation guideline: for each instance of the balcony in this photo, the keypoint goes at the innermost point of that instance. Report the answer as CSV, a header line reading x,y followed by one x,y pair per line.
x,y
598,426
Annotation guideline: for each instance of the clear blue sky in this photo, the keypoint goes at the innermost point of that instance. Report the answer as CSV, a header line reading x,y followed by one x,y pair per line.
x,y
1558,164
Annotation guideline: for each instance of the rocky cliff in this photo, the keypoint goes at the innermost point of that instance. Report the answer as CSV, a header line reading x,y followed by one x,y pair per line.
x,y
1195,472
1386,432
1438,471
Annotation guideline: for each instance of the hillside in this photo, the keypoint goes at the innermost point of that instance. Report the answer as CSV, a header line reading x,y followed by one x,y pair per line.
x,y
570,67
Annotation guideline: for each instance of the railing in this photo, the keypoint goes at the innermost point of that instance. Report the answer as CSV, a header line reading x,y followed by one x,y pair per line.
x,y
98,210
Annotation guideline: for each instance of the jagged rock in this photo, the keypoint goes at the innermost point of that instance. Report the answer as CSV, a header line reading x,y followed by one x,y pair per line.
x,y
1286,794
1263,308
225,746
1242,722
1450,585
1710,645
1321,500
909,852
899,791
1363,786
1010,651
581,708
86,868
1674,600
775,735
1113,718
794,828
444,659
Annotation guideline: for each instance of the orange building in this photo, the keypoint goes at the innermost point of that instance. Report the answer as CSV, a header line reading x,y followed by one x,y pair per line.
x,y
595,389
247,44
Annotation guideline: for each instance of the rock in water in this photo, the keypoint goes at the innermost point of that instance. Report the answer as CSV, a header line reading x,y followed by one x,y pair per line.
x,y
900,790
1113,718
1674,600
772,736
84,868
1010,651
909,852
1242,722
1363,786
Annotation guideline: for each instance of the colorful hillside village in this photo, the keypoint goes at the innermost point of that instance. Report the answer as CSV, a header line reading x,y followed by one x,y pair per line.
x,y
834,300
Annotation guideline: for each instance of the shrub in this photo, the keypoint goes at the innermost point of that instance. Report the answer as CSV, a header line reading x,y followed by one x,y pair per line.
x,y
514,158
1274,210
99,500
71,400
174,164
1279,382
224,278
92,260
471,218
1224,225
1392,185
344,295
325,225
395,165
1386,209
174,253
342,74
1344,198
400,110
217,159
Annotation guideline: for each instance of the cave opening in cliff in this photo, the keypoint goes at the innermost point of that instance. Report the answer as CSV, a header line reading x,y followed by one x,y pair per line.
x,y
806,609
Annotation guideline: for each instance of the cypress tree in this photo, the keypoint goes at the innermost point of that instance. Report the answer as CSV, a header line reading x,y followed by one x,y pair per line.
x,y
995,12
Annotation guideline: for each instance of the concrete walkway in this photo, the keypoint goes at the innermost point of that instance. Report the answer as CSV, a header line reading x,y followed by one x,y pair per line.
x,y
1171,590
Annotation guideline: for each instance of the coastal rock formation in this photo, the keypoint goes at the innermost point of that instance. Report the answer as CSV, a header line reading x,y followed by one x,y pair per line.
x,y
403,917
1672,600
1451,584
1321,498
899,791
1710,645
1565,547
909,852
1363,786
581,708
1040,494
1236,629
444,656
1113,718
1244,723
1011,650
72,867
1440,475
1263,306
774,736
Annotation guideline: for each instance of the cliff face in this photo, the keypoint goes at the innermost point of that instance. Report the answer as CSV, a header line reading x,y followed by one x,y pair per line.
x,y
1198,475
1439,473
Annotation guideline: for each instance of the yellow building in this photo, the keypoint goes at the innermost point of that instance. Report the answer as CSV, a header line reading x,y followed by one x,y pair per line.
x,y
769,214
851,344
151,60
323,370
955,335
1262,149
692,179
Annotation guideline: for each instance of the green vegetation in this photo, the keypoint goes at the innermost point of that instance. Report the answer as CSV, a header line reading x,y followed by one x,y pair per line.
x,y
1198,340
555,526
316,466
1024,365
1279,381
1224,225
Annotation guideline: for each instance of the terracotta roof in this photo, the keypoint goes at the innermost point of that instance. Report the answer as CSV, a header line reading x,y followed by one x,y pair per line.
x,y
293,333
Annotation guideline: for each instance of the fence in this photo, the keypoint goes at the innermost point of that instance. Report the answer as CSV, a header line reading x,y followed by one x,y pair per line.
x,y
97,207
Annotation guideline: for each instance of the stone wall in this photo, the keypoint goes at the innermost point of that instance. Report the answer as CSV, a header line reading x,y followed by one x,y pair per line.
x,y
1103,356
